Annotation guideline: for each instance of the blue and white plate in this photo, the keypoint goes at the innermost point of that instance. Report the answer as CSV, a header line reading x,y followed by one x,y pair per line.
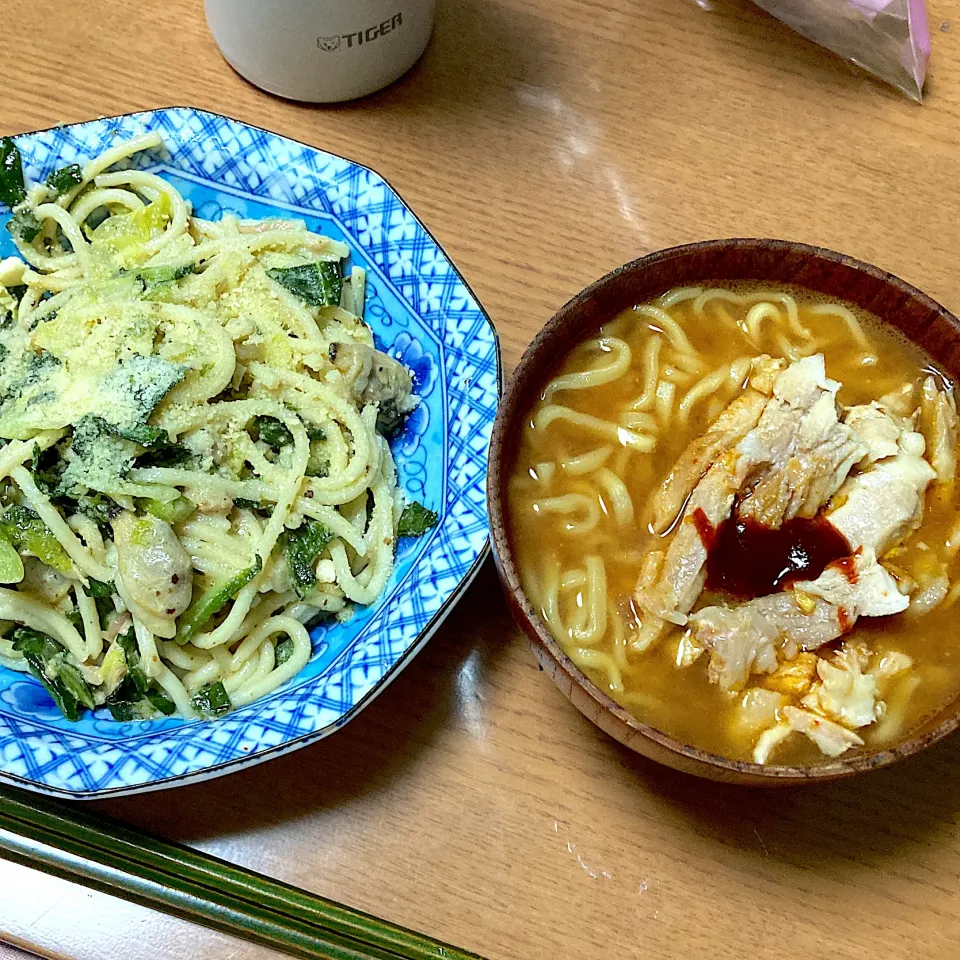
x,y
423,313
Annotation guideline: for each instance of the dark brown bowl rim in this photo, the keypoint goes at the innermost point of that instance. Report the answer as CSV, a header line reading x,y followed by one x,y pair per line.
x,y
534,627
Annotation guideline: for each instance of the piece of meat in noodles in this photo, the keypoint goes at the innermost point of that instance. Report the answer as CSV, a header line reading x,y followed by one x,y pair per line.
x,y
750,637
801,450
939,416
879,506
879,428
793,461
732,424
875,509
374,377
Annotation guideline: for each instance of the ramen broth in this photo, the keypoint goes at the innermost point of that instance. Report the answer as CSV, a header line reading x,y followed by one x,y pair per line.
x,y
580,492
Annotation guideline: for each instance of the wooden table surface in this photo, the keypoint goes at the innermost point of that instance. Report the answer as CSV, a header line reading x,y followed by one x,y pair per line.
x,y
545,142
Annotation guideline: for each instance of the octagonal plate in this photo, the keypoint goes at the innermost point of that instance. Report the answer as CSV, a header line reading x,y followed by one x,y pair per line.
x,y
421,312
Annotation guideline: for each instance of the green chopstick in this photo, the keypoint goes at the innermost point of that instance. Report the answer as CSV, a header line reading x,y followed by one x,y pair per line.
x,y
58,838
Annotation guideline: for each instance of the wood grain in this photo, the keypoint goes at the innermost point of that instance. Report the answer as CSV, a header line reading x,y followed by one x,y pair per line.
x,y
52,918
546,142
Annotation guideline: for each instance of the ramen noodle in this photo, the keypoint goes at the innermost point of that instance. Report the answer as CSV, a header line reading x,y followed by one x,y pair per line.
x,y
734,508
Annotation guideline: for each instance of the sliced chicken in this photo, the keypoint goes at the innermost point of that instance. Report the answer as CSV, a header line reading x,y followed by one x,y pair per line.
x,y
797,456
680,577
939,413
879,429
844,698
845,692
769,740
857,585
830,737
730,427
748,638
744,640
801,451
882,505
901,401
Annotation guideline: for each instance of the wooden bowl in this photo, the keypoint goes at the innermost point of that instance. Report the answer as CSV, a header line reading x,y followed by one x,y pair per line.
x,y
778,261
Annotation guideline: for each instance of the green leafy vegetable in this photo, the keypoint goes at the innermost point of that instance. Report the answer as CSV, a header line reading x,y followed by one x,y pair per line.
x,y
65,179
303,545
98,508
47,480
244,504
152,276
12,188
47,468
131,652
139,384
283,651
416,520
172,511
8,310
272,432
31,373
95,588
47,661
34,367
137,697
319,284
318,462
98,459
72,680
101,453
157,278
102,594
11,566
212,700
123,711
13,191
7,307
212,601
161,701
140,433
170,455
24,226
26,531
317,466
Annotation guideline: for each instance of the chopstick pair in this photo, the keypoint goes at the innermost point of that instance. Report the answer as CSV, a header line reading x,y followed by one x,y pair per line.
x,y
57,838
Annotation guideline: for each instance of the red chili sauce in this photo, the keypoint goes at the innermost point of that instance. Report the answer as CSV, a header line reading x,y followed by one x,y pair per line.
x,y
746,559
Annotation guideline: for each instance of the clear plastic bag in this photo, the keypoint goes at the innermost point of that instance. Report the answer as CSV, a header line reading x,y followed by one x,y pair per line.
x,y
888,38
